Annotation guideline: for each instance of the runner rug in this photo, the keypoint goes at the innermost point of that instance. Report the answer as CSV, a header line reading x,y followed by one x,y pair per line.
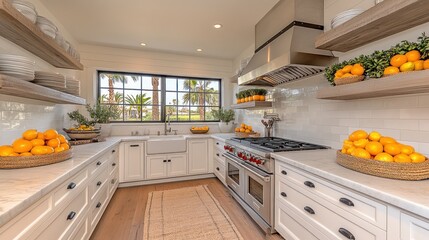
x,y
187,213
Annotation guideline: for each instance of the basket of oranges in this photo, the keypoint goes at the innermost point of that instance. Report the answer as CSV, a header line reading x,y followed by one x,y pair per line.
x,y
382,156
35,149
199,130
349,74
244,131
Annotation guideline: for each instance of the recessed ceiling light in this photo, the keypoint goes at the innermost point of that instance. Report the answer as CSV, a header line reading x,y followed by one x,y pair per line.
x,y
217,26
143,44
199,50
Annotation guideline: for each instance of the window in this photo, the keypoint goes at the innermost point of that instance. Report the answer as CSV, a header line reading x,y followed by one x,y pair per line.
x,y
151,98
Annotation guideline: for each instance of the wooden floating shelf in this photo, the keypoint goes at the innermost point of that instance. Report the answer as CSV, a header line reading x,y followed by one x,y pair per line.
x,y
21,31
253,104
398,84
20,88
384,19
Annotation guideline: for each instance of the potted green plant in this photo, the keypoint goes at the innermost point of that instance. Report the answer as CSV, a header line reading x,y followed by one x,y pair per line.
x,y
225,116
101,116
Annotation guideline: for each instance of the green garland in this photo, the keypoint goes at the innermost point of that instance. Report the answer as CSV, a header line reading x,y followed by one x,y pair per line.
x,y
376,62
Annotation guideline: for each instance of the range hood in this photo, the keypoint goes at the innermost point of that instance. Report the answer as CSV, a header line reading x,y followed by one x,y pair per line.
x,y
285,49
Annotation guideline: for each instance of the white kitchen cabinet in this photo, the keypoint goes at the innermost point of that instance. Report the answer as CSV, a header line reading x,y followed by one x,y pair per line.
x,y
166,165
413,228
132,161
198,156
219,160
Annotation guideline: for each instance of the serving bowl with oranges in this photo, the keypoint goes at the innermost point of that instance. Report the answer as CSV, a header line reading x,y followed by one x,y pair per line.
x,y
35,149
383,156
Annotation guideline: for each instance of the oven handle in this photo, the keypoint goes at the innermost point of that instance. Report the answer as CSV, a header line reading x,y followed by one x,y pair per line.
x,y
266,177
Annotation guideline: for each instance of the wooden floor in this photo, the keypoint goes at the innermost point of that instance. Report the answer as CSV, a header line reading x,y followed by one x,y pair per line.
x,y
123,218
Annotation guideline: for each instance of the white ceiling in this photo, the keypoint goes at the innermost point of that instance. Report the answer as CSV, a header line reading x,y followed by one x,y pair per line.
x,y
179,26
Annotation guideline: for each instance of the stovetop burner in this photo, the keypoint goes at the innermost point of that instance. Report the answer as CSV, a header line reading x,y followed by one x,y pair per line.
x,y
275,144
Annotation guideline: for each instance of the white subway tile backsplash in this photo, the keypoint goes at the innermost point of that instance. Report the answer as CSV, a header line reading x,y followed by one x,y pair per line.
x,y
415,136
424,125
414,113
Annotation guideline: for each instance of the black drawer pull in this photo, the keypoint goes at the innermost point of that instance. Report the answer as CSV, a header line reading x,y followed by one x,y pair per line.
x,y
309,184
347,202
169,160
113,181
99,183
165,160
217,169
217,143
98,163
98,205
217,154
113,164
284,172
346,233
113,151
71,185
134,145
71,215
309,210
283,194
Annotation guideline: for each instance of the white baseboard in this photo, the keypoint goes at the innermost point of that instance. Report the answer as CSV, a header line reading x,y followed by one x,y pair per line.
x,y
165,180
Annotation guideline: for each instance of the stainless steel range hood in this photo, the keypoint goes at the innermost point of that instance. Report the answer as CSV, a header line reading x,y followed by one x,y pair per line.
x,y
289,54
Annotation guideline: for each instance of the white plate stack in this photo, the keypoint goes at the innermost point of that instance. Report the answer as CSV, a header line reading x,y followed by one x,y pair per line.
x,y
72,86
25,8
51,80
345,16
17,66
47,26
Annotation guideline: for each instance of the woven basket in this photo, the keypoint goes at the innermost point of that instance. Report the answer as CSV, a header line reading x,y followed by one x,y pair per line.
x,y
199,131
34,161
244,135
348,80
401,171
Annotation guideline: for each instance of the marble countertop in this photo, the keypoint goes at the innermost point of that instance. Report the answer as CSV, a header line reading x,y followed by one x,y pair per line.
x,y
412,196
20,188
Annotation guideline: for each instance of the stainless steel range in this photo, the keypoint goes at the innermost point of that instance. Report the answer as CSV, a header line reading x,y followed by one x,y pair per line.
x,y
250,173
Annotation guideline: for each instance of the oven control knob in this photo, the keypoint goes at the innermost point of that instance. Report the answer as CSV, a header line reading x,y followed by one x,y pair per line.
x,y
231,149
244,157
251,158
257,161
225,147
240,154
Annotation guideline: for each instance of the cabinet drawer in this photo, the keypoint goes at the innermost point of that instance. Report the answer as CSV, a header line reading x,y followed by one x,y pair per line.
x,y
414,227
97,206
82,230
70,187
219,170
113,164
66,221
96,166
327,221
219,145
218,156
365,208
113,181
98,182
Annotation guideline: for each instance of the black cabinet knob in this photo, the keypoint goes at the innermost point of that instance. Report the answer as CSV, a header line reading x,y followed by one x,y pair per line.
x,y
71,215
347,202
113,151
217,169
284,172
346,233
71,185
98,163
169,160
99,183
165,160
217,154
283,194
217,143
309,210
309,184
98,205
113,164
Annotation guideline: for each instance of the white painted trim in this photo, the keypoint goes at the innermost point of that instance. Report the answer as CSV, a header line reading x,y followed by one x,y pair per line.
x,y
166,180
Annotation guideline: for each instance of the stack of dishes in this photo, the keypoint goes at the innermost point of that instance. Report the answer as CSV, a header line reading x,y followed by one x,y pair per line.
x,y
47,26
72,86
345,16
51,80
25,8
17,66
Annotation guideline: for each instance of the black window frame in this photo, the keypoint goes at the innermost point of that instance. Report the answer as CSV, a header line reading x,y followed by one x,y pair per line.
x,y
163,92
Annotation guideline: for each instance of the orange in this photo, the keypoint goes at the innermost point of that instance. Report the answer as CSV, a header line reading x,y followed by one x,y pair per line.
x,y
385,157
402,158
30,134
339,73
374,148
392,148
343,150
347,69
49,149
398,60
59,149
386,140
418,65
358,134
38,150
37,142
14,154
237,129
361,153
417,157
391,70
21,145
374,136
407,67
350,150
50,134
426,64
242,130
62,138
53,143
40,135
347,144
242,125
361,143
413,55
247,131
347,75
407,149
357,69
249,128
26,154
5,150
65,146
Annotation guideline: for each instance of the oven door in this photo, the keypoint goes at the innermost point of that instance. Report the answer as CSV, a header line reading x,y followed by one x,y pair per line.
x,y
258,187
235,176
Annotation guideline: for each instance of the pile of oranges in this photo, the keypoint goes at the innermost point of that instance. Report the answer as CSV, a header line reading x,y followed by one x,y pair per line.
x,y
33,142
350,71
382,148
244,128
409,61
